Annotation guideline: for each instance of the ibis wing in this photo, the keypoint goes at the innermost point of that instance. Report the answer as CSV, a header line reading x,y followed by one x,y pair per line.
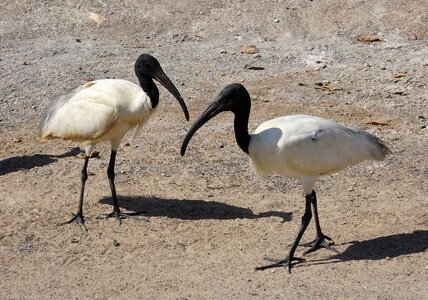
x,y
83,115
328,148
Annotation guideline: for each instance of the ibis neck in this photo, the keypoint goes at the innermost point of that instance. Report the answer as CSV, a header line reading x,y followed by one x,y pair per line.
x,y
150,88
241,131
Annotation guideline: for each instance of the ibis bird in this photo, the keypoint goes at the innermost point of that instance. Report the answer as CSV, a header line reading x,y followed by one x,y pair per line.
x,y
295,146
105,110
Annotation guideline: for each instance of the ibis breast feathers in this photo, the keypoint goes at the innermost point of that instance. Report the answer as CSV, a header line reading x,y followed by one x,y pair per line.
x,y
302,145
95,109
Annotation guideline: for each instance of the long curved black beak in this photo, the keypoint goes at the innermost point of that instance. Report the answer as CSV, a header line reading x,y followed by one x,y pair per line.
x,y
219,105
161,77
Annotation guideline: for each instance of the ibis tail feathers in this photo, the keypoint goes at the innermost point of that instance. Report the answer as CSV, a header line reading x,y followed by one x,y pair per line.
x,y
378,148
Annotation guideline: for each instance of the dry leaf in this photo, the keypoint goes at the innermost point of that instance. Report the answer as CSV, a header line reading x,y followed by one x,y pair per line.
x,y
16,140
369,38
399,74
249,49
378,123
249,67
326,87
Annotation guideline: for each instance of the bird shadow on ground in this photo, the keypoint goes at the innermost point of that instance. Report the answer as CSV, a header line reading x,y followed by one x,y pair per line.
x,y
26,162
381,248
190,209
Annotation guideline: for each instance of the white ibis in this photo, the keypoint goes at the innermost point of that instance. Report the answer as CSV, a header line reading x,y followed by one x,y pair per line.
x,y
295,146
105,110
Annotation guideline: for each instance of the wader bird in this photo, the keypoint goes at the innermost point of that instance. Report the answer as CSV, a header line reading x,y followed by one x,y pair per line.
x,y
296,146
106,110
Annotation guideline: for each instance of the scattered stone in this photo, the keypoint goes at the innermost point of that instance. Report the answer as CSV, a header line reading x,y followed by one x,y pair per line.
x,y
96,18
249,49
94,154
316,62
400,93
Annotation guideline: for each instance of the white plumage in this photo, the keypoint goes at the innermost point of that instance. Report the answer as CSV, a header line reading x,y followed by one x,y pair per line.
x,y
99,110
105,110
300,146
296,146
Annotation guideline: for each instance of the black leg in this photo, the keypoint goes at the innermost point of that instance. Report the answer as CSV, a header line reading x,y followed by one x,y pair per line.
x,y
78,217
116,210
110,174
321,239
287,262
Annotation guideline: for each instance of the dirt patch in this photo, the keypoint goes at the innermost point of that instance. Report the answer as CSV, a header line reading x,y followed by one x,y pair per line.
x,y
210,221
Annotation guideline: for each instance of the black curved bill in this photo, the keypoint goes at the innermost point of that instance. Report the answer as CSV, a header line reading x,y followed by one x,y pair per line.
x,y
217,106
161,77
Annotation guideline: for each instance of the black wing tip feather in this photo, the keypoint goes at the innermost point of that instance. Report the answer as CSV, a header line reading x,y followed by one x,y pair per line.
x,y
374,140
380,144
384,147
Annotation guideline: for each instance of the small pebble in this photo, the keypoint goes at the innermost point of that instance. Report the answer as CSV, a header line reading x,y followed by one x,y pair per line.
x,y
249,49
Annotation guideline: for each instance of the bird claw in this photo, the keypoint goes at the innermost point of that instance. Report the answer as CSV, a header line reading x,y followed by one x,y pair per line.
x,y
287,262
120,216
318,243
77,218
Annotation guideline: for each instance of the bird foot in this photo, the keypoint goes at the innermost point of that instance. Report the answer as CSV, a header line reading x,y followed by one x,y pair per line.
x,y
120,216
77,218
287,262
318,243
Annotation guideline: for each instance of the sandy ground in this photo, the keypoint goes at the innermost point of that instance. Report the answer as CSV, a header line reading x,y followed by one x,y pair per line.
x,y
210,220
